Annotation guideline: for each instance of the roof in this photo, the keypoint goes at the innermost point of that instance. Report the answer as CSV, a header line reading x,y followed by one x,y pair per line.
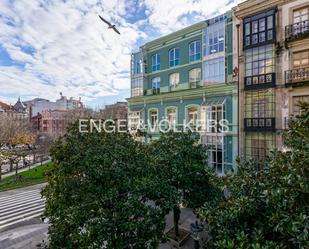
x,y
176,34
5,106
19,106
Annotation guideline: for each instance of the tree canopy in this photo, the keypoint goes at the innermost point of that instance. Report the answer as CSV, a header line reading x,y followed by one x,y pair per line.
x,y
102,192
269,202
181,163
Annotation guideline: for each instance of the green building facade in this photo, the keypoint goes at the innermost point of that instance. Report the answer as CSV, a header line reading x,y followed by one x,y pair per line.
x,y
184,81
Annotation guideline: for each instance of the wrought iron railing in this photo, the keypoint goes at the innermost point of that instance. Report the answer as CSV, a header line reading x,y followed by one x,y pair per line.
x,y
298,75
297,30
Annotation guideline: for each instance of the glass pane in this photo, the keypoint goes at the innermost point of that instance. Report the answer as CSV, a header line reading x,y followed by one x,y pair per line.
x,y
269,22
254,39
262,24
191,51
262,37
247,29
269,35
254,27
177,53
247,40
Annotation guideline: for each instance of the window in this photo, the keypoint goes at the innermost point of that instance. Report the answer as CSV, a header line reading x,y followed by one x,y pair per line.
x,y
214,70
214,137
214,36
155,59
259,66
194,77
174,57
214,115
297,100
136,87
195,51
300,15
137,66
153,118
192,116
259,29
171,116
134,120
156,85
174,79
258,145
301,59
260,110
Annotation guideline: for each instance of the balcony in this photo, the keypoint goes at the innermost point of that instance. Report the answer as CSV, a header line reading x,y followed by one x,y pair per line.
x,y
260,81
297,77
260,124
297,31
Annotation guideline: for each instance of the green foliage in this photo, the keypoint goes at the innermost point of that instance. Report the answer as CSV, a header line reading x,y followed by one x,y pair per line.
x,y
269,205
27,178
181,163
102,192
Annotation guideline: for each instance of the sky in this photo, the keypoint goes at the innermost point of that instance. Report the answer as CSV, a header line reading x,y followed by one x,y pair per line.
x,y
53,46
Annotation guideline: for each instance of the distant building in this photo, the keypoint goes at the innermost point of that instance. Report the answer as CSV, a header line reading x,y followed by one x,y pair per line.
x,y
36,122
4,107
19,111
115,111
51,122
38,105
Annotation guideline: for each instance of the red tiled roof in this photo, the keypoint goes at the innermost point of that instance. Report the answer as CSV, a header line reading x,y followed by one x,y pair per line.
x,y
5,106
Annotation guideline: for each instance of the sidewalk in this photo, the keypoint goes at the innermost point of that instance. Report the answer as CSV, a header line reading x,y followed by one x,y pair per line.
x,y
4,175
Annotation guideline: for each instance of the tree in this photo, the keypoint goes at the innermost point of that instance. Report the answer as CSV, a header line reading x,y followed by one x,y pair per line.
x,y
269,203
15,132
41,147
181,163
102,193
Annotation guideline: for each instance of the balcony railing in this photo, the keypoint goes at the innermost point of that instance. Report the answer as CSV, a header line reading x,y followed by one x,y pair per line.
x,y
260,124
297,76
155,90
297,30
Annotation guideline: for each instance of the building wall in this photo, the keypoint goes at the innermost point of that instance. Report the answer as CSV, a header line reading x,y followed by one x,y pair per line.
x,y
201,96
291,47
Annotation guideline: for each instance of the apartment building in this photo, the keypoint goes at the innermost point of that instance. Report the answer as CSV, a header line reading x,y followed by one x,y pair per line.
x,y
117,111
187,78
295,56
273,70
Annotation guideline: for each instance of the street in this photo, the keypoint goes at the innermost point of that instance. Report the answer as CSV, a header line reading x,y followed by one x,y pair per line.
x,y
22,228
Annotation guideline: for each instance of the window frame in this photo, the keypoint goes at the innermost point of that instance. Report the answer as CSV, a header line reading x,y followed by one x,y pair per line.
x,y
187,113
173,62
269,31
155,62
150,117
259,109
196,56
295,101
136,86
173,84
196,81
174,122
209,75
299,53
257,59
155,85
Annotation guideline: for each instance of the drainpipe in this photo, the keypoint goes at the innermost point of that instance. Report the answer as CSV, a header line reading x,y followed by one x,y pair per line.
x,y
238,131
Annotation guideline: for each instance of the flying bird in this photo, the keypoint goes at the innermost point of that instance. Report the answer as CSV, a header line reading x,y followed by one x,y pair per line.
x,y
110,26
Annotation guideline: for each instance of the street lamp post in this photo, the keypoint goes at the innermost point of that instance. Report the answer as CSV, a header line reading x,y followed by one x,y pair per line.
x,y
196,229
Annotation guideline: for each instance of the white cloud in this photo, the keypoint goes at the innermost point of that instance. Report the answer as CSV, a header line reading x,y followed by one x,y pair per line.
x,y
63,46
